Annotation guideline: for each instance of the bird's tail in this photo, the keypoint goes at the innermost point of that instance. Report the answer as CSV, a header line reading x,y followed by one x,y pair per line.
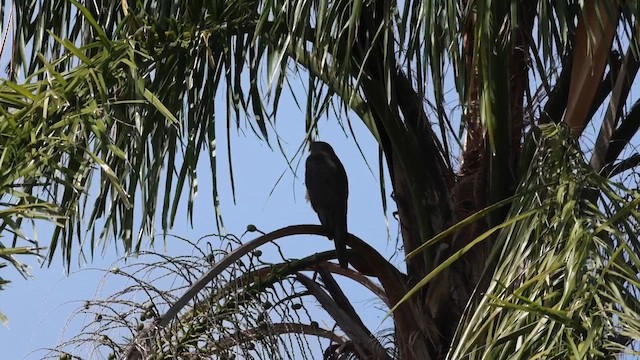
x,y
340,239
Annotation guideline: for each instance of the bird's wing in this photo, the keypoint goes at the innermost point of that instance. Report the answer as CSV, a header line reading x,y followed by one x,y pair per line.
x,y
321,182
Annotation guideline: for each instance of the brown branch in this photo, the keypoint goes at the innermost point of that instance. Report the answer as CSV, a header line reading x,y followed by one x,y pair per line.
x,y
258,280
359,278
315,262
591,49
612,170
258,333
615,63
339,351
623,134
367,346
619,96
340,298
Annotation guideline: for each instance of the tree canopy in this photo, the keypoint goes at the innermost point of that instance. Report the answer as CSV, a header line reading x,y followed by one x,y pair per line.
x,y
502,125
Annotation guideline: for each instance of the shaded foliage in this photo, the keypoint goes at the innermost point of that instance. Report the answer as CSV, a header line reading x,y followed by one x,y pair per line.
x,y
564,285
128,90
251,308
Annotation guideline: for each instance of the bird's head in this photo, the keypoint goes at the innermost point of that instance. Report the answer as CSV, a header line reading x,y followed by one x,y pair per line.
x,y
320,147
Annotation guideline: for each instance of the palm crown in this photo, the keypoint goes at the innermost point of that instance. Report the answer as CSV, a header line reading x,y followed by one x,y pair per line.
x,y
510,237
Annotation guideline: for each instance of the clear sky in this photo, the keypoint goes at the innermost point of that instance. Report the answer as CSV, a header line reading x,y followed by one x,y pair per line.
x,y
40,309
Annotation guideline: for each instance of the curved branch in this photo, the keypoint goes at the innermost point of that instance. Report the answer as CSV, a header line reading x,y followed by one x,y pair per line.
x,y
623,134
359,278
392,280
366,345
312,263
257,333
259,280
341,300
612,170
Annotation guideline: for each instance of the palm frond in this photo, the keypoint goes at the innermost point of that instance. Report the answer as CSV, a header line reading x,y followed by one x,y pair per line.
x,y
565,283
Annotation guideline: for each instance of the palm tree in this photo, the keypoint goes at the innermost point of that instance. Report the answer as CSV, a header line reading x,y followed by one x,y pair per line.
x,y
515,244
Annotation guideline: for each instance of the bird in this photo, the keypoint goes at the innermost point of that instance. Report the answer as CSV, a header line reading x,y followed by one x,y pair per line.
x,y
328,190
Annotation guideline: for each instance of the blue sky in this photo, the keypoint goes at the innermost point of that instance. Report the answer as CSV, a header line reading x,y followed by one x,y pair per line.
x,y
40,309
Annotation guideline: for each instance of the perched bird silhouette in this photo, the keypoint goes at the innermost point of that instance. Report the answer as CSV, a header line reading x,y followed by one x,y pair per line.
x,y
327,190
